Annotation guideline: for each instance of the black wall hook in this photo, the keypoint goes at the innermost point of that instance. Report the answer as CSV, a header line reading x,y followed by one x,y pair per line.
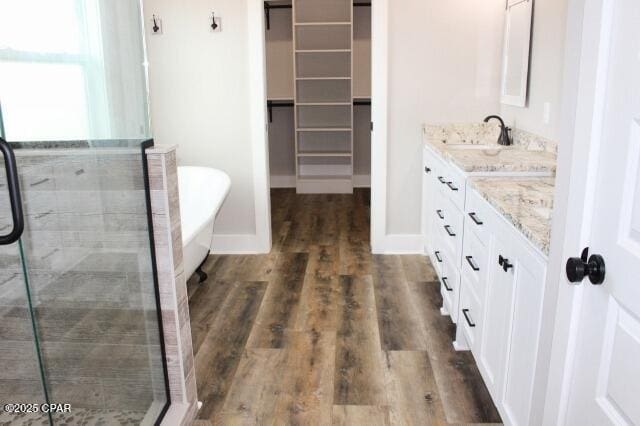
x,y
214,26
155,28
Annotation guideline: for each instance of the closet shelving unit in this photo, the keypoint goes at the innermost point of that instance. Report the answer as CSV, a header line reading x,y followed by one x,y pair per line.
x,y
323,97
318,60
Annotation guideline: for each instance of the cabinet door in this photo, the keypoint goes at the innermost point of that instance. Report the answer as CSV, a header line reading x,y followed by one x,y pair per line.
x,y
497,321
523,340
511,328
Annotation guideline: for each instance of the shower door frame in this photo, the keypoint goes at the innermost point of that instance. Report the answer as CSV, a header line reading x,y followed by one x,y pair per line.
x,y
154,267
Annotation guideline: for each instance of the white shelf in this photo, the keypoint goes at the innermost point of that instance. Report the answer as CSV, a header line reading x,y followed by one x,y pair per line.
x,y
323,78
324,129
323,50
310,24
325,177
324,154
324,103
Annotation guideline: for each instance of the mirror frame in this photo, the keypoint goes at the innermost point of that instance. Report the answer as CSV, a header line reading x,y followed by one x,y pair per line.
x,y
519,100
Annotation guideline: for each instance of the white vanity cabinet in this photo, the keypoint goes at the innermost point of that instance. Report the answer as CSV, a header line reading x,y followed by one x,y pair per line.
x,y
512,318
493,285
503,278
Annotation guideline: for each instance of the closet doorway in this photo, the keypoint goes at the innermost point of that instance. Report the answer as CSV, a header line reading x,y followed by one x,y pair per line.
x,y
318,67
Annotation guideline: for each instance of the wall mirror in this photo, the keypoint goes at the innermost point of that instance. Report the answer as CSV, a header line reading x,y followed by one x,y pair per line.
x,y
515,55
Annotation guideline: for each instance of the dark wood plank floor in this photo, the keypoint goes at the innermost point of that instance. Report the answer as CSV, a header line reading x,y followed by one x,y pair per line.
x,y
320,331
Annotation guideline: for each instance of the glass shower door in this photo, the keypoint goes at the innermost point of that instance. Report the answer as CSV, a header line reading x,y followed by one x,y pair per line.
x,y
81,278
21,376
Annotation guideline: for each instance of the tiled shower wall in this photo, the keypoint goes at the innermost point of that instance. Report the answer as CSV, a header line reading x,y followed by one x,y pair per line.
x,y
87,253
163,180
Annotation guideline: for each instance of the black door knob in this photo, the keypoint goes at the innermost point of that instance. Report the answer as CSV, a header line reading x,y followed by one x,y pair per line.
x,y
578,268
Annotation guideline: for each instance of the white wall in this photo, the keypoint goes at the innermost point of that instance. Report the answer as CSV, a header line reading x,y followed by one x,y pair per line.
x,y
444,66
545,78
203,97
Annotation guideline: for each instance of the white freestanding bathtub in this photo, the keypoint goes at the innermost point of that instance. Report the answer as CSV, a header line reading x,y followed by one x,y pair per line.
x,y
202,192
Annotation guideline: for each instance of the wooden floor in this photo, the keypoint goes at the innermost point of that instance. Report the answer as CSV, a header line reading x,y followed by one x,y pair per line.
x,y
320,331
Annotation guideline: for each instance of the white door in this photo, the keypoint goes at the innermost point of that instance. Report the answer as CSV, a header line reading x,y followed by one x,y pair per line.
x,y
605,384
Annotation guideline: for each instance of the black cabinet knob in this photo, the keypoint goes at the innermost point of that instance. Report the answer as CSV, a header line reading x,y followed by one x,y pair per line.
x,y
506,265
427,170
504,262
578,268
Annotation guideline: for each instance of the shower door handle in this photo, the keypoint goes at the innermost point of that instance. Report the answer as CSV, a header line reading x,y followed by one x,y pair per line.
x,y
13,185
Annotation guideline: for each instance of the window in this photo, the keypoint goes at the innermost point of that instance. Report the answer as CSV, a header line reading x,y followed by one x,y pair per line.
x,y
55,83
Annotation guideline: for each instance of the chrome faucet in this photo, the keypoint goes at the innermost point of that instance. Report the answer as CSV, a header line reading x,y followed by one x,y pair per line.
x,y
505,136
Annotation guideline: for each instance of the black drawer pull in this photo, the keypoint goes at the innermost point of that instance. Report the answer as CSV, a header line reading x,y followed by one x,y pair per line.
x,y
439,213
473,217
449,231
465,312
427,170
444,283
437,254
451,187
473,265
500,260
441,179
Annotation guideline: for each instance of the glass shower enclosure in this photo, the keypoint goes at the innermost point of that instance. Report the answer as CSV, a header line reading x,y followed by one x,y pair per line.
x,y
80,327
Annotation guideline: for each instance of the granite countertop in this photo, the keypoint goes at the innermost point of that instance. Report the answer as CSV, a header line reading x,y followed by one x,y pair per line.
x,y
526,202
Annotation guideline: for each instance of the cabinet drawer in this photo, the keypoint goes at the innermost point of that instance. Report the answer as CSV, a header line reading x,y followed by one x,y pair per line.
x,y
452,183
470,316
450,287
475,262
450,231
455,186
478,216
437,258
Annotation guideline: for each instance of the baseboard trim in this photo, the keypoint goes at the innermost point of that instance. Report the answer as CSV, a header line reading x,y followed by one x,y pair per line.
x,y
400,244
286,181
238,244
283,181
362,181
